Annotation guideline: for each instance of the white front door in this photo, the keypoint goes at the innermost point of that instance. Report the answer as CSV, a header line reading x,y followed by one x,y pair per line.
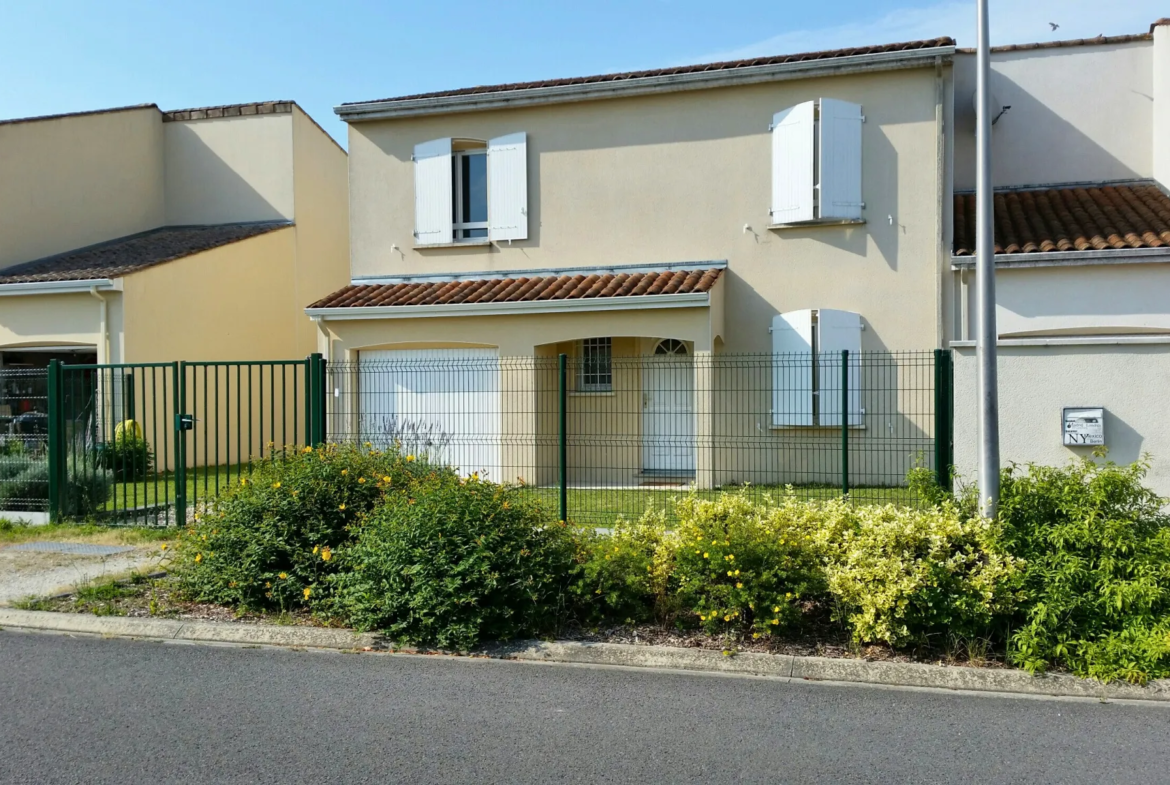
x,y
668,410
443,404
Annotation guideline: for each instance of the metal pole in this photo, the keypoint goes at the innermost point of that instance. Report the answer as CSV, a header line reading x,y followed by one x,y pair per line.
x,y
563,431
56,444
844,422
985,339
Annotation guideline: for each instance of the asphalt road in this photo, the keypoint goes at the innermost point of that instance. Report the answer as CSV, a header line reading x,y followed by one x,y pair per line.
x,y
86,710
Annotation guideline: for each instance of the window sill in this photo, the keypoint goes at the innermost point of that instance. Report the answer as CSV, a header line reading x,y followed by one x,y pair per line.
x,y
592,394
463,244
819,222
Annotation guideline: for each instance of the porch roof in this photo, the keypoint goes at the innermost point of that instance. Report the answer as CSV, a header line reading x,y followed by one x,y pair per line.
x,y
582,287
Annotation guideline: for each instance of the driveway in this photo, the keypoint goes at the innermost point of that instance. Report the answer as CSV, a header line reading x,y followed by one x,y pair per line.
x,y
112,711
40,572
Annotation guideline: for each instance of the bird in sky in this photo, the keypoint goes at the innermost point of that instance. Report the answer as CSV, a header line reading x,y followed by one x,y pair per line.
x,y
1054,26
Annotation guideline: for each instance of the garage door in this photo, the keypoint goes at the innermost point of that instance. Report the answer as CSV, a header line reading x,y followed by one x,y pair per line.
x,y
441,403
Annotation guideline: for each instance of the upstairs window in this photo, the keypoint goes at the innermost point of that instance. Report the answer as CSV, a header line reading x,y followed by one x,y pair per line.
x,y
596,374
466,191
806,367
816,162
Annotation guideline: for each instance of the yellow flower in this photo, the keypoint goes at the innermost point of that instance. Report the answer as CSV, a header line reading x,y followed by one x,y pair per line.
x,y
739,585
283,576
731,557
268,585
729,573
775,621
776,609
698,551
341,507
198,557
315,549
726,618
308,591
164,546
705,556
276,484
737,572
755,635
409,458
369,444
386,478
294,494
344,472
243,481
307,450
788,596
361,479
326,553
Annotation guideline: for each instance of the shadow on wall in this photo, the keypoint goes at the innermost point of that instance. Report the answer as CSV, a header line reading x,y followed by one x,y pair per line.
x,y
1024,140
203,188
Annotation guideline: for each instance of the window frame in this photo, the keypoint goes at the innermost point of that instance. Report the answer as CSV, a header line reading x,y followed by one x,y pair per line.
x,y
589,379
459,226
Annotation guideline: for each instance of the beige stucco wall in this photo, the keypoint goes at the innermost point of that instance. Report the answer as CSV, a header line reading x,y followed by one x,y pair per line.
x,y
229,169
1036,382
50,320
676,177
1078,114
1161,108
230,303
74,181
321,190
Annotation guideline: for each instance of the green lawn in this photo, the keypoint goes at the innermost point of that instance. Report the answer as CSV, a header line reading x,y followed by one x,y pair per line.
x,y
159,490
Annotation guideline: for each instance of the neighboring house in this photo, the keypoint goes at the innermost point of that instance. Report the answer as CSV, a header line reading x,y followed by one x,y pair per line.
x,y
1081,165
760,207
137,235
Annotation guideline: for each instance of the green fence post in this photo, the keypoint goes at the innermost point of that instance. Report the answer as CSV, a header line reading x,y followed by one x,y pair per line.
x,y
844,422
56,440
562,406
320,435
310,400
179,388
949,420
940,414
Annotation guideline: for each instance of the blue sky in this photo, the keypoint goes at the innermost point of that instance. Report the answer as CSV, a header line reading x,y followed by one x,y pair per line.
x,y
72,55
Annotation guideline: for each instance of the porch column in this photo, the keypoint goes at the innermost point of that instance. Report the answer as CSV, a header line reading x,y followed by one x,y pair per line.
x,y
704,420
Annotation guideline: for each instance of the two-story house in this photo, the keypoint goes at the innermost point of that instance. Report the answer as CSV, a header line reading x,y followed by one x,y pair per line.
x,y
778,207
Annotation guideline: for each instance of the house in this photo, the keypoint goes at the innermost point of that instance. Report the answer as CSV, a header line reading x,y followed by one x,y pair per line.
x,y
652,226
1081,166
137,235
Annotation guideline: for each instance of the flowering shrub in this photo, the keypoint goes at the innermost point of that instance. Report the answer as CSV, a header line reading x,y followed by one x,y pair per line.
x,y
269,541
1096,544
451,562
902,575
619,580
743,567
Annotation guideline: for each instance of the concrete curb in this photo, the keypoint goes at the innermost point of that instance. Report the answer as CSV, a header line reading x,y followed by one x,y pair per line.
x,y
776,666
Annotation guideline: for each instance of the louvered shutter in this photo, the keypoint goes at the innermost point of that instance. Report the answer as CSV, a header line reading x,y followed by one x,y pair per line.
x,y
792,164
508,187
836,331
432,192
840,159
792,369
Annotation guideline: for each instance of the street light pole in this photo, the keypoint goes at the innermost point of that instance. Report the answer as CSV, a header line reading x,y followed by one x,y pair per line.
x,y
986,337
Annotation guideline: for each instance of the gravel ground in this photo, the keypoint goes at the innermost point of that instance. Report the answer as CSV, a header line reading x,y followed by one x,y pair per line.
x,y
29,573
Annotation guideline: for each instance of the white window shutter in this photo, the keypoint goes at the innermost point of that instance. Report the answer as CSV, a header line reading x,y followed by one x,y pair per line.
x,y
840,159
792,368
837,331
432,192
792,164
508,187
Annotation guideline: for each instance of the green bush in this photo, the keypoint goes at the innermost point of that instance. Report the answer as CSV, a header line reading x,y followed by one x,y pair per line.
x,y
618,581
741,567
453,562
902,575
1096,547
24,487
265,541
127,456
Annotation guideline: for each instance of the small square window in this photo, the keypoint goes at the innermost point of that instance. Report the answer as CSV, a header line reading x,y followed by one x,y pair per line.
x,y
596,374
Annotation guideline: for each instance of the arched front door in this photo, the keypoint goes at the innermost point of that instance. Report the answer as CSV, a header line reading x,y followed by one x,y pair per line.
x,y
668,410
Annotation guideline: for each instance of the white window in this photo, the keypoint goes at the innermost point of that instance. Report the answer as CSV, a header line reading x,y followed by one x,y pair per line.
x,y
807,359
816,162
596,366
467,191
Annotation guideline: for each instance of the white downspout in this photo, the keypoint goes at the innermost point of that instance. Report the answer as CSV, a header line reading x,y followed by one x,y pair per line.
x,y
103,329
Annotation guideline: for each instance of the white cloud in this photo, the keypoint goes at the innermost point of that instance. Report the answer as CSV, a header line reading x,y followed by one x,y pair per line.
x,y
1012,22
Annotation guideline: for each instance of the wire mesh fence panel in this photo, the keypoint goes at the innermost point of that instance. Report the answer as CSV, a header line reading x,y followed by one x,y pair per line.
x,y
595,436
24,479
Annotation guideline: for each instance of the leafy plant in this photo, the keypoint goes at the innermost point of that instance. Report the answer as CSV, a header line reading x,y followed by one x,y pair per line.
x,y
267,540
1096,544
128,456
451,562
618,579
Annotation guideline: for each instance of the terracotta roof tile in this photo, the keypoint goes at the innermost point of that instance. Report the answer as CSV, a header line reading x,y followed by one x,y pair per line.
x,y
1098,41
126,255
523,289
1069,218
685,69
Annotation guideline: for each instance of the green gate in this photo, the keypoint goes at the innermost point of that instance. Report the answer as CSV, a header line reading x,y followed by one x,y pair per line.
x,y
147,444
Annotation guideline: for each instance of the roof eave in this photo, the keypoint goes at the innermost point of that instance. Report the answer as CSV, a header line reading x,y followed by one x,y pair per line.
x,y
1069,258
642,302
55,287
591,91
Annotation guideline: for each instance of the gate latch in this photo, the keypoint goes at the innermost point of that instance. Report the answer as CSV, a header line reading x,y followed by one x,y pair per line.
x,y
184,422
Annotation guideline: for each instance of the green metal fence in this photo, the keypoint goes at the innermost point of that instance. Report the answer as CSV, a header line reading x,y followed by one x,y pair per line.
x,y
600,436
147,443
24,478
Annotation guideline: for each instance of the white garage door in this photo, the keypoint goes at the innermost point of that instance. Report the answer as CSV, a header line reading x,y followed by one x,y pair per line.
x,y
441,403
